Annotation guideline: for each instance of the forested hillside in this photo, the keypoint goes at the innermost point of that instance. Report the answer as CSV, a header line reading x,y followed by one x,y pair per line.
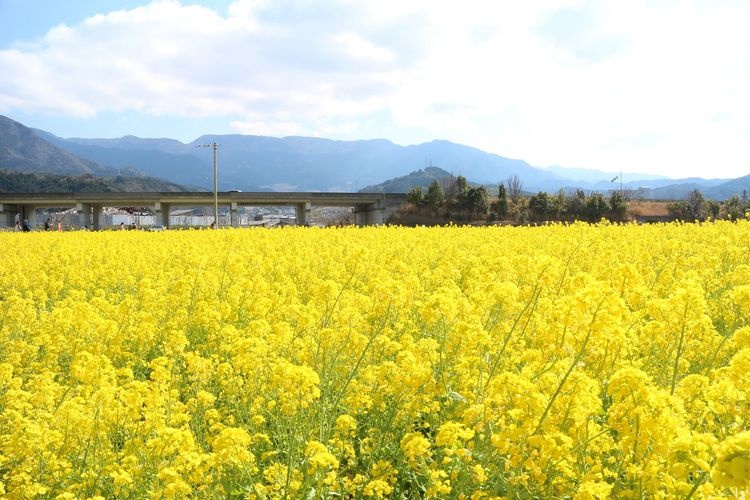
x,y
15,182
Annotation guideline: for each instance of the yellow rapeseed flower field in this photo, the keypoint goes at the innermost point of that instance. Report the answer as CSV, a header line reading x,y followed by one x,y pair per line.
x,y
563,361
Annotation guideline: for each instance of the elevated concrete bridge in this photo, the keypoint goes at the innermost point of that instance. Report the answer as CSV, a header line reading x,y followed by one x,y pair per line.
x,y
368,208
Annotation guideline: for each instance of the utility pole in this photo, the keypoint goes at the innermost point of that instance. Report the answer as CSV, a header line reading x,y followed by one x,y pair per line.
x,y
216,185
618,177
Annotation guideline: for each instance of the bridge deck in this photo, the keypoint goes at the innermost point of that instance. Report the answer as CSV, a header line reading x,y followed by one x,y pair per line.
x,y
200,198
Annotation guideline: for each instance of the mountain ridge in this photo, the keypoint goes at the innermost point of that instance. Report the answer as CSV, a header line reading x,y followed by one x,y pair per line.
x,y
298,163
22,150
29,161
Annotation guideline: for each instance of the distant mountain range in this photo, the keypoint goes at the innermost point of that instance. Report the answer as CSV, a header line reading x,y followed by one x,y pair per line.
x,y
257,163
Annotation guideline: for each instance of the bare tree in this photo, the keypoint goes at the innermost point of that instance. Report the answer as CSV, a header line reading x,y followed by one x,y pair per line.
x,y
450,187
629,194
515,187
695,202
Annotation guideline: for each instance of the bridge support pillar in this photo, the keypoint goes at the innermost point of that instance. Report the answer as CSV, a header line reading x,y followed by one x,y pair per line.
x,y
7,219
161,213
84,214
9,214
96,217
234,219
376,215
303,214
29,212
370,214
359,215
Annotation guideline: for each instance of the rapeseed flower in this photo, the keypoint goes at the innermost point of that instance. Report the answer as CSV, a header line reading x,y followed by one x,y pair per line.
x,y
576,360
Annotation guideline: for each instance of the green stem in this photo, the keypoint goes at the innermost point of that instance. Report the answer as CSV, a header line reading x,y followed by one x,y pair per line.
x,y
576,359
361,357
679,350
324,321
535,293
697,484
565,271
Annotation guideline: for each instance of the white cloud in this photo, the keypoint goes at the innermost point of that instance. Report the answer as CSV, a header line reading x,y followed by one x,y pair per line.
x,y
277,128
359,48
634,85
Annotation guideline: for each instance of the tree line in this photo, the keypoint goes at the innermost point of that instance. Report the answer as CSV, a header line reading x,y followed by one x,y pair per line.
x,y
17,182
695,207
456,200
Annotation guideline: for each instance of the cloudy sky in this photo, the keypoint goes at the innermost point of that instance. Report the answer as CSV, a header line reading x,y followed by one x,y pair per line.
x,y
658,86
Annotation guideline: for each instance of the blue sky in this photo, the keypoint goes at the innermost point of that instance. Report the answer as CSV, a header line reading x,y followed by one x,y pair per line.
x,y
657,86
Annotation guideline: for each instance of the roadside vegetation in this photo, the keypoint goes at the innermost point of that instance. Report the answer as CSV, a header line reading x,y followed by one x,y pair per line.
x,y
455,200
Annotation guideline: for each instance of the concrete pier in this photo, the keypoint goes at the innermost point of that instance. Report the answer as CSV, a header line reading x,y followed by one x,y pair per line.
x,y
161,211
9,214
234,218
369,214
303,214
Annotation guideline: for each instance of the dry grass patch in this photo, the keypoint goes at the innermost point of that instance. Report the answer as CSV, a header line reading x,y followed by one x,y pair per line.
x,y
648,208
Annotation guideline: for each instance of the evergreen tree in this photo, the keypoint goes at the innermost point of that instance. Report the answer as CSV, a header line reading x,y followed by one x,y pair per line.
x,y
539,206
575,206
414,196
596,207
435,196
501,206
476,201
617,207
